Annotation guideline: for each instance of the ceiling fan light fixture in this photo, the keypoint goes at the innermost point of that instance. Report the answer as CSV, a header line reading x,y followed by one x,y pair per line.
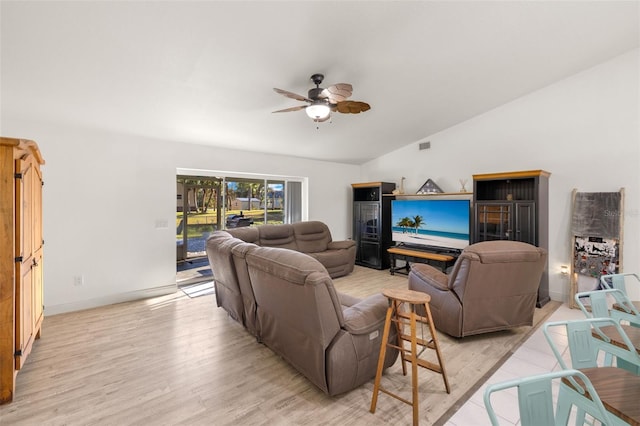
x,y
321,102
318,110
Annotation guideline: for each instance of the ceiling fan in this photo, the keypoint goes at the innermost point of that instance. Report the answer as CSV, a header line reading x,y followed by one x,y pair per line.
x,y
321,102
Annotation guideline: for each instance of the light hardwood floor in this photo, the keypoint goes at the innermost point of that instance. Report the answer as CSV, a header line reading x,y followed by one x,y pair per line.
x,y
174,360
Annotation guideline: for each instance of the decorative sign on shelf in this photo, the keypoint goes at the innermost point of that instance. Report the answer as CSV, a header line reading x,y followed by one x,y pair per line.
x,y
429,187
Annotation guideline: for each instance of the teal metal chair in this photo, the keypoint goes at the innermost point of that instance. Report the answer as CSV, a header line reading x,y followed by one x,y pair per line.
x,y
619,281
584,351
629,312
535,399
596,304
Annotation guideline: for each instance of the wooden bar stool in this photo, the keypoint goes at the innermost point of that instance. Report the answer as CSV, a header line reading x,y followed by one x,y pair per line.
x,y
406,322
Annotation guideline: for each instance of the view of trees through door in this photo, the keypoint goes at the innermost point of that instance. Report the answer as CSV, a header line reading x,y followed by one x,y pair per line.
x,y
198,213
258,201
205,204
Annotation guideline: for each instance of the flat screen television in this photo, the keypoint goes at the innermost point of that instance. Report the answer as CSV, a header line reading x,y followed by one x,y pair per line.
x,y
435,224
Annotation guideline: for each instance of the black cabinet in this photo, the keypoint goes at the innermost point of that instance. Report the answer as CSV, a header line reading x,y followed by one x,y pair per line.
x,y
514,206
505,221
372,223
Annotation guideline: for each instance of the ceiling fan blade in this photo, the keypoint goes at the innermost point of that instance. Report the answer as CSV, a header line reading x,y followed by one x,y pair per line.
x,y
291,95
352,107
337,92
295,108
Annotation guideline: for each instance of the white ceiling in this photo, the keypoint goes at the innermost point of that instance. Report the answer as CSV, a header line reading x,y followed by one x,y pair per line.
x,y
203,72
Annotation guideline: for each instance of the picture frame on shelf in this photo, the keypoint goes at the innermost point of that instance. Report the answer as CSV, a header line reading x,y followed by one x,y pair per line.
x,y
429,187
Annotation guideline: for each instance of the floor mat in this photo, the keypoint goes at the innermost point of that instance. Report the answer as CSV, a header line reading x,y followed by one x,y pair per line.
x,y
200,289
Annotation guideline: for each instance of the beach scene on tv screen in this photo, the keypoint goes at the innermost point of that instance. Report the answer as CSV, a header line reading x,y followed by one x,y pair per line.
x,y
438,223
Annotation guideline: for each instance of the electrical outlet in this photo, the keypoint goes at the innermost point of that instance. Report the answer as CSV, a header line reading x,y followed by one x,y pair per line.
x,y
78,280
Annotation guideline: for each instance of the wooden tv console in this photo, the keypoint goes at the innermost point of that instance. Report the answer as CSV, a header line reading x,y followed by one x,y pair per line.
x,y
409,254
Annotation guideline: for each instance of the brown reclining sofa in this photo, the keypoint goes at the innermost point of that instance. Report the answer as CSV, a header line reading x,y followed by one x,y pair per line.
x,y
287,300
311,237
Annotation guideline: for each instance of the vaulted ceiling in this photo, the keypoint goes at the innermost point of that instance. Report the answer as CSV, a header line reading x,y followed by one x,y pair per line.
x,y
203,72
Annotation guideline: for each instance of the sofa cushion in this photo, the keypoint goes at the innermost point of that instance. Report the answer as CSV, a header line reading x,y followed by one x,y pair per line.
x,y
312,236
330,258
280,236
337,262
248,234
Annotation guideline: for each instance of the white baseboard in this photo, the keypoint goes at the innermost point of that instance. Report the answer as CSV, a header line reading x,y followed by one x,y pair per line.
x,y
110,300
558,297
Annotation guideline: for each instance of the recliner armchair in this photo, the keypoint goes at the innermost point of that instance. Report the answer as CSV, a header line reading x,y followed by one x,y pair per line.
x,y
492,286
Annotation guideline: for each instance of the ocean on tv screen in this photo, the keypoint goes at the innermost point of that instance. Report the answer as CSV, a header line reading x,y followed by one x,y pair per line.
x,y
435,223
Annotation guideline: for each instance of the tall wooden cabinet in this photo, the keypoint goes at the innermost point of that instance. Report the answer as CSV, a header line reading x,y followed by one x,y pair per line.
x,y
372,223
21,246
514,206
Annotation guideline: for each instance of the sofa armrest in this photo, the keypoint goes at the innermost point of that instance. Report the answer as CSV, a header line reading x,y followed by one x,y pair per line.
x,y
341,245
347,300
366,316
431,276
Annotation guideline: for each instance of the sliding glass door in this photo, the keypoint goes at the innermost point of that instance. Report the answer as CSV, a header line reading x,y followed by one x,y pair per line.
x,y
198,213
209,203
244,202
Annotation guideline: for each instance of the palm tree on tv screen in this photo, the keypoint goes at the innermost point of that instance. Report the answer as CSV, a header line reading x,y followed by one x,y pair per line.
x,y
417,222
405,223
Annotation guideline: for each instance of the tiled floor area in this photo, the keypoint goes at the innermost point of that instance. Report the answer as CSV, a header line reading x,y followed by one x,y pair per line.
x,y
533,357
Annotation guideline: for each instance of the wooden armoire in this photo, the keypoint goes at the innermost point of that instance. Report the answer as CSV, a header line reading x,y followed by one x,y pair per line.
x,y
21,291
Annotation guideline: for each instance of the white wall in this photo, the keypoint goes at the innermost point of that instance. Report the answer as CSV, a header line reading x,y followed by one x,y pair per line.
x,y
105,195
584,130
